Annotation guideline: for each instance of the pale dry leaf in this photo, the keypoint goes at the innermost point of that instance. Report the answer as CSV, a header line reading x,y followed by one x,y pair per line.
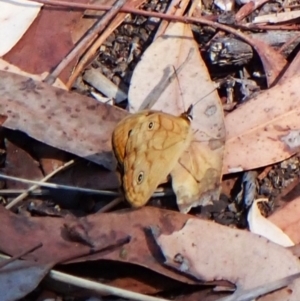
x,y
217,252
7,67
292,70
288,293
196,177
265,130
260,225
288,219
65,120
262,290
15,17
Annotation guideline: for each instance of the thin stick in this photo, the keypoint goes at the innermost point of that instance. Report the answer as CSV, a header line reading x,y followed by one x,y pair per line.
x,y
26,193
203,20
255,27
86,41
59,186
10,192
127,9
183,19
100,288
259,46
67,187
288,43
11,259
88,55
111,205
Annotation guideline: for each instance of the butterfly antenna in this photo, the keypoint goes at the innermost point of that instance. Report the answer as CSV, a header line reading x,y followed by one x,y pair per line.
x,y
180,90
213,90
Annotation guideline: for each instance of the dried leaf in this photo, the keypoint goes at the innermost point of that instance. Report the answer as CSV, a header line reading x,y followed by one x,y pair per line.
x,y
135,279
101,230
268,129
292,70
2,118
20,164
15,17
264,290
196,177
38,52
277,18
68,121
273,62
247,9
288,219
218,252
19,278
62,238
259,225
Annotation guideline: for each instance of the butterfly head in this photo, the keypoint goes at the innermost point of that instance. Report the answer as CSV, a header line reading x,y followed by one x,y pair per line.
x,y
188,114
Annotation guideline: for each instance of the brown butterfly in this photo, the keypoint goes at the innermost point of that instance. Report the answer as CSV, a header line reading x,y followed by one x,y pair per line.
x,y
147,146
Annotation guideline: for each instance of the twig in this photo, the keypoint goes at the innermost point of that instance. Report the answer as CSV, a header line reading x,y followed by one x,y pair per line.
x,y
254,43
111,205
288,43
10,192
11,259
100,288
60,186
255,27
131,10
67,187
175,8
259,46
26,193
203,20
86,41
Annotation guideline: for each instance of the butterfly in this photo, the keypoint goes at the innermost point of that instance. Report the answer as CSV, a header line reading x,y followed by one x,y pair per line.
x,y
147,146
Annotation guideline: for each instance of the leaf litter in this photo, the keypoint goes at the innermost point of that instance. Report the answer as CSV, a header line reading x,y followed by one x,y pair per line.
x,y
196,178
46,119
269,134
206,255
260,132
21,277
259,225
15,18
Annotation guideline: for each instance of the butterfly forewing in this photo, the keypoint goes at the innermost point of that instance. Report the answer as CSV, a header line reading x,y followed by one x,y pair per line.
x,y
153,147
121,133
